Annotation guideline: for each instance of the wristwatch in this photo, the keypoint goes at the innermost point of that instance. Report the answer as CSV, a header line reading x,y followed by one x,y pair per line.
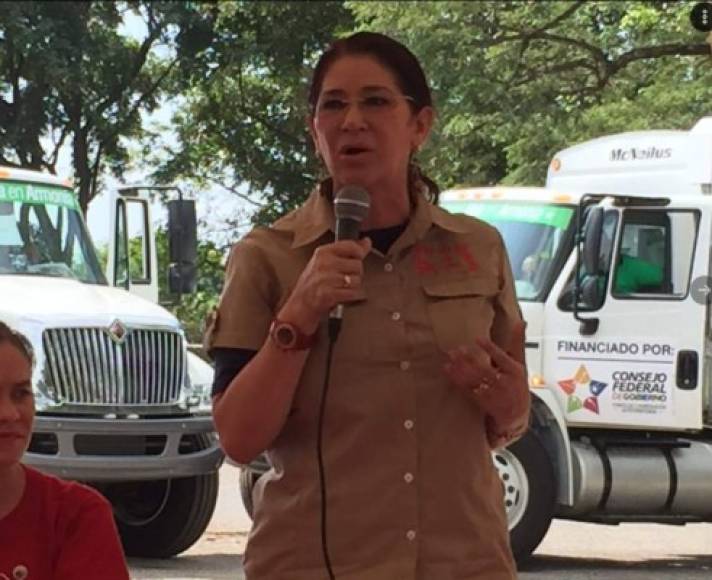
x,y
286,336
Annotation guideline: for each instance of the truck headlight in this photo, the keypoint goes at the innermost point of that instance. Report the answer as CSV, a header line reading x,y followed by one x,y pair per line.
x,y
198,386
44,403
199,400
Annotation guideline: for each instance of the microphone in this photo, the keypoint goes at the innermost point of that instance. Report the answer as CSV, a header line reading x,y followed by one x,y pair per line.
x,y
351,205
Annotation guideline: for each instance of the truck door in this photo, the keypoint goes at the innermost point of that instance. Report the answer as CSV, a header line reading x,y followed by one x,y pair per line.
x,y
642,365
132,252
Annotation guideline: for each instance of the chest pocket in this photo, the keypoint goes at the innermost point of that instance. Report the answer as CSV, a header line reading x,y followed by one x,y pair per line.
x,y
460,310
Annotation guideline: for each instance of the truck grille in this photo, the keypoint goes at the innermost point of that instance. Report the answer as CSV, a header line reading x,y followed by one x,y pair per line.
x,y
86,366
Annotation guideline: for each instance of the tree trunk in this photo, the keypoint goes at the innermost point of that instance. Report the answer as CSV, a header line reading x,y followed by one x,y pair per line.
x,y
80,155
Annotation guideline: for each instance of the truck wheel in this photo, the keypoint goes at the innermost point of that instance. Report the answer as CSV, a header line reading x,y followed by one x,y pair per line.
x,y
248,478
529,483
162,518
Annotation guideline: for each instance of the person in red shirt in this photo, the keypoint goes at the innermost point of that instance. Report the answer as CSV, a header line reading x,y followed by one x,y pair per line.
x,y
49,528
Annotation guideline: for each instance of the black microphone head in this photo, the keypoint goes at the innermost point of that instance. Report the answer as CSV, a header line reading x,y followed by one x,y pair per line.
x,y
352,202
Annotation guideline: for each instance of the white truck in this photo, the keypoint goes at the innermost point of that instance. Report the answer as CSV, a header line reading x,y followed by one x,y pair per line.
x,y
121,403
621,376
612,263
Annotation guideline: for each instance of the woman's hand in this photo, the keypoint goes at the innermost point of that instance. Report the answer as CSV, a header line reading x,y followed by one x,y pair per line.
x,y
332,276
496,379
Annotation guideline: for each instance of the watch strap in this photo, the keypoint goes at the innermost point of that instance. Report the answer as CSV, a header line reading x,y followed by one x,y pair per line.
x,y
288,336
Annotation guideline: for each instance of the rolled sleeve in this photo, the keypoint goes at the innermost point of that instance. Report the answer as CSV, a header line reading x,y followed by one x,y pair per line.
x,y
245,309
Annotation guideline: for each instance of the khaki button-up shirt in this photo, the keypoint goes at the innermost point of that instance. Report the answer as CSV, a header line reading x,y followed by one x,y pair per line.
x,y
412,490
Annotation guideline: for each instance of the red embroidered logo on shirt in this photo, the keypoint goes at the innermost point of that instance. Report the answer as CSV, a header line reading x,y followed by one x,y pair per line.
x,y
434,258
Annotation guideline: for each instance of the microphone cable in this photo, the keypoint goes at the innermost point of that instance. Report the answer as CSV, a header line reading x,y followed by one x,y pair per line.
x,y
351,205
334,329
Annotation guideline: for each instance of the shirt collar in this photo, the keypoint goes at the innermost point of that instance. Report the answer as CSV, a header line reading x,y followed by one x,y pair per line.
x,y
452,222
316,217
422,219
310,221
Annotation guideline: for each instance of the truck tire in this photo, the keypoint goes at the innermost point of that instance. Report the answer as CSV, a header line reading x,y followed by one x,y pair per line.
x,y
527,474
248,479
162,518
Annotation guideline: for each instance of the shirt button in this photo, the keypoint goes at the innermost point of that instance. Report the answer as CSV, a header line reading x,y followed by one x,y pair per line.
x,y
408,477
410,534
405,365
388,267
395,316
408,424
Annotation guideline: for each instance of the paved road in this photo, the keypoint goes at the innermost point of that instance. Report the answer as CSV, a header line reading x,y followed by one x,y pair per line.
x,y
571,551
577,551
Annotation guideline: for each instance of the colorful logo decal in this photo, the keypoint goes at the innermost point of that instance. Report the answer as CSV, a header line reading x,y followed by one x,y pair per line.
x,y
570,386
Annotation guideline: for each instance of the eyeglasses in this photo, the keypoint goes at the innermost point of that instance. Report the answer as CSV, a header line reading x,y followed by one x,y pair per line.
x,y
372,105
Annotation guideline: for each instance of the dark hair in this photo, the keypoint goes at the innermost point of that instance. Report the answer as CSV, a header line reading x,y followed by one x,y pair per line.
x,y
18,340
406,69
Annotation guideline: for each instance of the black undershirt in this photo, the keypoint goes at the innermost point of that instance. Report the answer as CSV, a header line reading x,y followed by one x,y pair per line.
x,y
230,361
383,238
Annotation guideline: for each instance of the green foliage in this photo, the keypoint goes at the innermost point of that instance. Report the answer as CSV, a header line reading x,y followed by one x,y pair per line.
x,y
69,77
244,119
517,81
513,82
193,309
102,255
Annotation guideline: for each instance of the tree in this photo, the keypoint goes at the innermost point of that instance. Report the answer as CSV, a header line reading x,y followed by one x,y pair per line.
x,y
516,81
68,76
243,124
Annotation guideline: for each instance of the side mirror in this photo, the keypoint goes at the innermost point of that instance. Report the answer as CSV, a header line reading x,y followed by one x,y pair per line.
x,y
587,262
182,278
591,296
182,246
591,292
593,232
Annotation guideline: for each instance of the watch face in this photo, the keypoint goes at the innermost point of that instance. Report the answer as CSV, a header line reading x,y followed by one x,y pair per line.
x,y
285,335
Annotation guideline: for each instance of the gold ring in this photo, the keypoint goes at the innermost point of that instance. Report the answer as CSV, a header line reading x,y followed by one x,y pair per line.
x,y
483,386
347,281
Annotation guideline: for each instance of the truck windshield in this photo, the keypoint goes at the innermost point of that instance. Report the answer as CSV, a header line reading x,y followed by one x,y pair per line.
x,y
42,233
533,234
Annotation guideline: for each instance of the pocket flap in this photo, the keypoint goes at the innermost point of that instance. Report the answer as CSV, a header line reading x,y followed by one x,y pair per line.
x,y
464,287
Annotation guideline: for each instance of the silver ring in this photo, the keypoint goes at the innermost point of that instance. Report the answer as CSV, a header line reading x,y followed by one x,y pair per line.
x,y
347,281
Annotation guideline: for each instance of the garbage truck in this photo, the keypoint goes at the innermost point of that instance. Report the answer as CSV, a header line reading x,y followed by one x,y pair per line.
x,y
121,403
612,263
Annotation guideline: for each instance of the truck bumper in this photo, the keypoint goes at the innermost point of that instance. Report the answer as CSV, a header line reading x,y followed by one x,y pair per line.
x,y
124,449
